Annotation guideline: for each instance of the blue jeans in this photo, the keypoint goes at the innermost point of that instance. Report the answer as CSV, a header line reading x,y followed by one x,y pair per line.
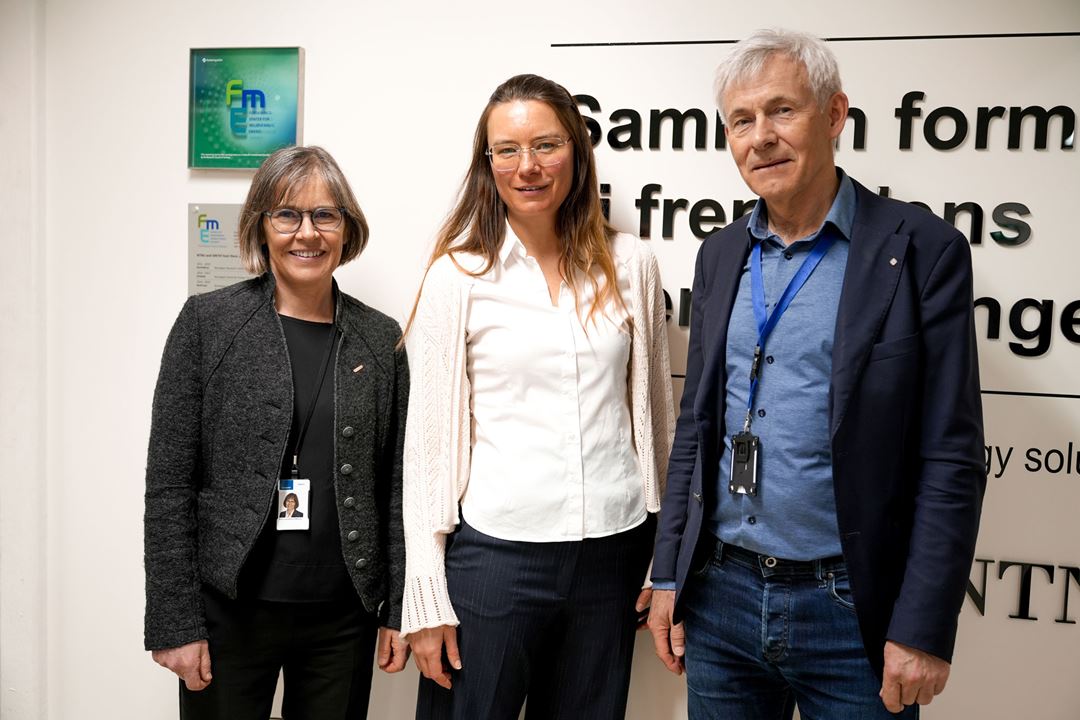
x,y
763,636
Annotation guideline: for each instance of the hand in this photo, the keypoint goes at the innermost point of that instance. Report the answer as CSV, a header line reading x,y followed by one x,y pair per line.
x,y
190,662
642,607
669,639
911,676
392,651
427,646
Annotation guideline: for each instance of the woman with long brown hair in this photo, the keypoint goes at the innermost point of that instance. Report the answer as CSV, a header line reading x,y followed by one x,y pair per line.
x,y
539,428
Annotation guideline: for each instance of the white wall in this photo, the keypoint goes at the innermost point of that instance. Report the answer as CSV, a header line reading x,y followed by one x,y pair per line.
x,y
23,487
393,90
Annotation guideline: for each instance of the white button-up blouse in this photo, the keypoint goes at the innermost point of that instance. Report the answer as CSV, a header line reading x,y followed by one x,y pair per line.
x,y
452,425
552,454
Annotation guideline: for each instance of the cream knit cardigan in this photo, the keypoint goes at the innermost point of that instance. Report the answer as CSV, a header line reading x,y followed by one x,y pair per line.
x,y
438,438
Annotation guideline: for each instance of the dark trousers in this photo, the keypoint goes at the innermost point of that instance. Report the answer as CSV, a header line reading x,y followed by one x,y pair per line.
x,y
326,651
550,622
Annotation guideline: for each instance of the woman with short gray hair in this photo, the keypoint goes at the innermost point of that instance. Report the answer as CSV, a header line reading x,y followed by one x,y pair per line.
x,y
279,391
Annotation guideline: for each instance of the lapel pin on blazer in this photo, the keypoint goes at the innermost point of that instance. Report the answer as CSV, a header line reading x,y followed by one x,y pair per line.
x,y
358,368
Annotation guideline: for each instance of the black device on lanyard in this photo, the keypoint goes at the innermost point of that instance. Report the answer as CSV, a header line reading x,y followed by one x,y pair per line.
x,y
745,445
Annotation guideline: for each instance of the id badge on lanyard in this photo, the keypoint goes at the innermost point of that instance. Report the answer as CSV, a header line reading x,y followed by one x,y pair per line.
x,y
293,506
294,492
745,445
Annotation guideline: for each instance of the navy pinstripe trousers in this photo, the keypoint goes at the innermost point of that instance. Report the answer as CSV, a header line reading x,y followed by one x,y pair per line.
x,y
550,625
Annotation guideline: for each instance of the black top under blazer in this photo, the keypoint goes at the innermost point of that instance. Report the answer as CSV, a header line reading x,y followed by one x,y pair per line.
x,y
222,414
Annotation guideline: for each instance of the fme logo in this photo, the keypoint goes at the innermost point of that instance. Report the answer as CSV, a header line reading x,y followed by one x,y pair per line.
x,y
206,224
238,113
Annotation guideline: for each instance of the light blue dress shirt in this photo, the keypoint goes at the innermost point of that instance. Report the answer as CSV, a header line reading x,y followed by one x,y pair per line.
x,y
793,515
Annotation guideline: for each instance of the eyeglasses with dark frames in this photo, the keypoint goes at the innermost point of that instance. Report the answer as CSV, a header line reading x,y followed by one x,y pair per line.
x,y
288,220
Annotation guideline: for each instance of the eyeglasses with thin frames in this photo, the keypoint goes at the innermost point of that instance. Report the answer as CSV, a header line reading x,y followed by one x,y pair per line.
x,y
505,157
288,220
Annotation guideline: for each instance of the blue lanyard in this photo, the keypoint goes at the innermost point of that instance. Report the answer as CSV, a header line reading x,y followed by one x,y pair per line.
x,y
766,323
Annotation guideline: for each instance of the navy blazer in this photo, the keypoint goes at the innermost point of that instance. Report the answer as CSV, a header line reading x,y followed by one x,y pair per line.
x,y
905,415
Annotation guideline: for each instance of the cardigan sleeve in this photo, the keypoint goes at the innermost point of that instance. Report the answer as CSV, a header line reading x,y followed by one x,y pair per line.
x,y
437,444
174,612
654,419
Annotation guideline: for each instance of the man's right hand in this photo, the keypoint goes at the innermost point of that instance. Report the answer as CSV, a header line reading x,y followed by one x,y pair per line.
x,y
669,638
190,662
427,646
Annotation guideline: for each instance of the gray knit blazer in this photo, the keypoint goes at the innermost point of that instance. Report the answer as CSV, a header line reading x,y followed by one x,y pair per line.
x,y
222,413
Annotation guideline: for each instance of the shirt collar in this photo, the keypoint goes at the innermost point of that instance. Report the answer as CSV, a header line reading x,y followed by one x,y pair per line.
x,y
841,213
511,246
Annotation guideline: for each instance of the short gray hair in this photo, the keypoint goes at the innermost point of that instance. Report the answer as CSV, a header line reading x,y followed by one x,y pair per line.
x,y
751,53
276,179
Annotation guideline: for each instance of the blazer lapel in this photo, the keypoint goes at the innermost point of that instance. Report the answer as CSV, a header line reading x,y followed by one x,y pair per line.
x,y
875,261
712,386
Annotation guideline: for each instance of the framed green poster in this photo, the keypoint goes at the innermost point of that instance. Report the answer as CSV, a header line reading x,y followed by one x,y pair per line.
x,y
243,104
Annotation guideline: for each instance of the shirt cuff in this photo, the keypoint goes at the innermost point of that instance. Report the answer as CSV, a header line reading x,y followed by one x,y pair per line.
x,y
663,585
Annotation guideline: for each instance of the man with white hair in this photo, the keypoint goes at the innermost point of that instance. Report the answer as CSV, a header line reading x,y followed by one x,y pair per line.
x,y
825,484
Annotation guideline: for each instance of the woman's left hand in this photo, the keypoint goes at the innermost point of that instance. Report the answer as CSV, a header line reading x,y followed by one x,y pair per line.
x,y
392,651
644,599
